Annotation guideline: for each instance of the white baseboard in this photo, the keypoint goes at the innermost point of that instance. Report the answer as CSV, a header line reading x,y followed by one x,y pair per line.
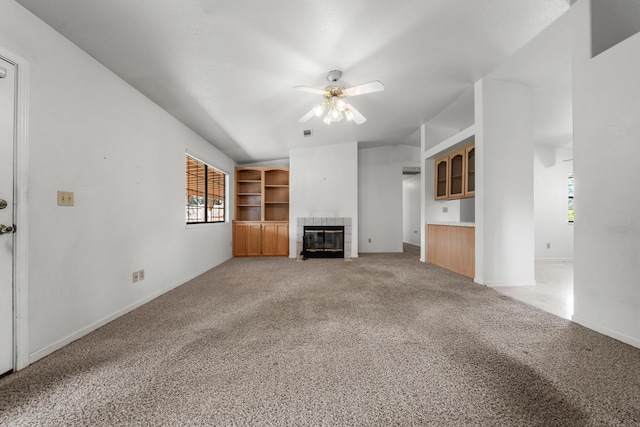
x,y
635,342
39,354
553,260
510,283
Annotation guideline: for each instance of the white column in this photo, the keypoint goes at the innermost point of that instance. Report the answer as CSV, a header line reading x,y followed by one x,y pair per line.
x,y
504,220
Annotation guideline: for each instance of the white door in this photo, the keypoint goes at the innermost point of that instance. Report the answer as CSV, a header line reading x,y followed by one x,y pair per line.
x,y
7,106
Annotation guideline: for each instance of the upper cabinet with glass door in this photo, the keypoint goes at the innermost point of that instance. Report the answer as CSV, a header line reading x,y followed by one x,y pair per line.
x,y
441,178
455,174
470,161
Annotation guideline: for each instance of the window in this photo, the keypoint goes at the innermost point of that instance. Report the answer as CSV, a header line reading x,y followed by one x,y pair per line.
x,y
570,197
205,198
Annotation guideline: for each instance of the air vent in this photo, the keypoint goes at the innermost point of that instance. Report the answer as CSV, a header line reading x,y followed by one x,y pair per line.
x,y
307,133
410,170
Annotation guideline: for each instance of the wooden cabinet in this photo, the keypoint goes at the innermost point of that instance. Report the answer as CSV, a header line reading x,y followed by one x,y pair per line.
x,y
470,162
275,239
452,247
261,225
260,239
455,174
247,239
441,180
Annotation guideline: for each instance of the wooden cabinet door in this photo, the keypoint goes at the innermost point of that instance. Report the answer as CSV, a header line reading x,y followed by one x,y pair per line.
x,y
247,239
441,176
457,174
470,175
275,239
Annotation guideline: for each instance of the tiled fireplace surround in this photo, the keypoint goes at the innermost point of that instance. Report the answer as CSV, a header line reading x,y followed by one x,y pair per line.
x,y
346,222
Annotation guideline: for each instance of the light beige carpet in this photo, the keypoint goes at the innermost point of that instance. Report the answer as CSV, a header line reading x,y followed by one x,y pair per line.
x,y
383,340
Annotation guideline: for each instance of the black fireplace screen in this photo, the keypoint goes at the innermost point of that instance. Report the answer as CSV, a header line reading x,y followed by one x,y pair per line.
x,y
323,241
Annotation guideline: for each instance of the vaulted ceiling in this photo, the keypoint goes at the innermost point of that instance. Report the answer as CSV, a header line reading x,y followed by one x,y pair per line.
x,y
226,68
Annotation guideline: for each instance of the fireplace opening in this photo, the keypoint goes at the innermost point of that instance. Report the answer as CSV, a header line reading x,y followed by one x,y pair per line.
x,y
323,241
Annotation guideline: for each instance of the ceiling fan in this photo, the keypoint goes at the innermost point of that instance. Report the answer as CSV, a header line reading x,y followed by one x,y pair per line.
x,y
334,100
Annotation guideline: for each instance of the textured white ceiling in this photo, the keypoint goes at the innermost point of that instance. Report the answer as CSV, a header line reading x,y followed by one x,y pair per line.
x,y
226,68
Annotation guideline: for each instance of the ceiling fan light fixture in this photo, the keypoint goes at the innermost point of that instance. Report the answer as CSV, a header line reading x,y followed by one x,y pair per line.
x,y
340,104
335,103
335,115
349,114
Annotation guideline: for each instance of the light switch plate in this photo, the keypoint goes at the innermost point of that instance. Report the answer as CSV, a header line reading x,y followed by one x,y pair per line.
x,y
65,198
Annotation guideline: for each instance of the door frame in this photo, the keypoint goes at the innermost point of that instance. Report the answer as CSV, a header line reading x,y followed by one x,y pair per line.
x,y
20,214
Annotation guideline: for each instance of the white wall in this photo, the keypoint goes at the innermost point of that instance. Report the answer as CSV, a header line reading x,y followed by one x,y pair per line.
x,y
613,21
123,156
323,182
504,184
552,166
380,196
411,209
606,107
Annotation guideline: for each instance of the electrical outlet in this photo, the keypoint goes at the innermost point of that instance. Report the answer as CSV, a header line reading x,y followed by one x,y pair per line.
x,y
135,276
369,239
141,274
445,209
548,245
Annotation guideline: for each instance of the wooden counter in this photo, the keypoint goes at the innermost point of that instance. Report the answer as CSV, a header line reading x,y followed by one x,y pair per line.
x,y
452,247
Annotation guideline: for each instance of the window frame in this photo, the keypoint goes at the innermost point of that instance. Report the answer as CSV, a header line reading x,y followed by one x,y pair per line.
x,y
208,168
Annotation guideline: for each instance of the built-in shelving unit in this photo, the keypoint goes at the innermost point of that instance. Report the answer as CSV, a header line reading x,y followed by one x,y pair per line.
x,y
261,225
248,195
276,195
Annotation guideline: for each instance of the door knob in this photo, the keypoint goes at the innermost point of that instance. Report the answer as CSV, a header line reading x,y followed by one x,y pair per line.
x,y
6,229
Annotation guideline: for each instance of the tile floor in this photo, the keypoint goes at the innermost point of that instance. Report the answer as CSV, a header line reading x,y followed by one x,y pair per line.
x,y
553,291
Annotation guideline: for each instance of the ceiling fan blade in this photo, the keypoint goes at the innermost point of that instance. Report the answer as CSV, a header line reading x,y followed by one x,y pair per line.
x,y
309,89
374,86
357,116
307,116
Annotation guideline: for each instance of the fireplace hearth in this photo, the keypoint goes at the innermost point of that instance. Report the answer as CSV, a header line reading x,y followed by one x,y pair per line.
x,y
323,241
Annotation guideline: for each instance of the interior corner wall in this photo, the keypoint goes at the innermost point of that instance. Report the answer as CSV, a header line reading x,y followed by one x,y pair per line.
x,y
380,196
504,184
554,233
123,157
323,182
606,107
